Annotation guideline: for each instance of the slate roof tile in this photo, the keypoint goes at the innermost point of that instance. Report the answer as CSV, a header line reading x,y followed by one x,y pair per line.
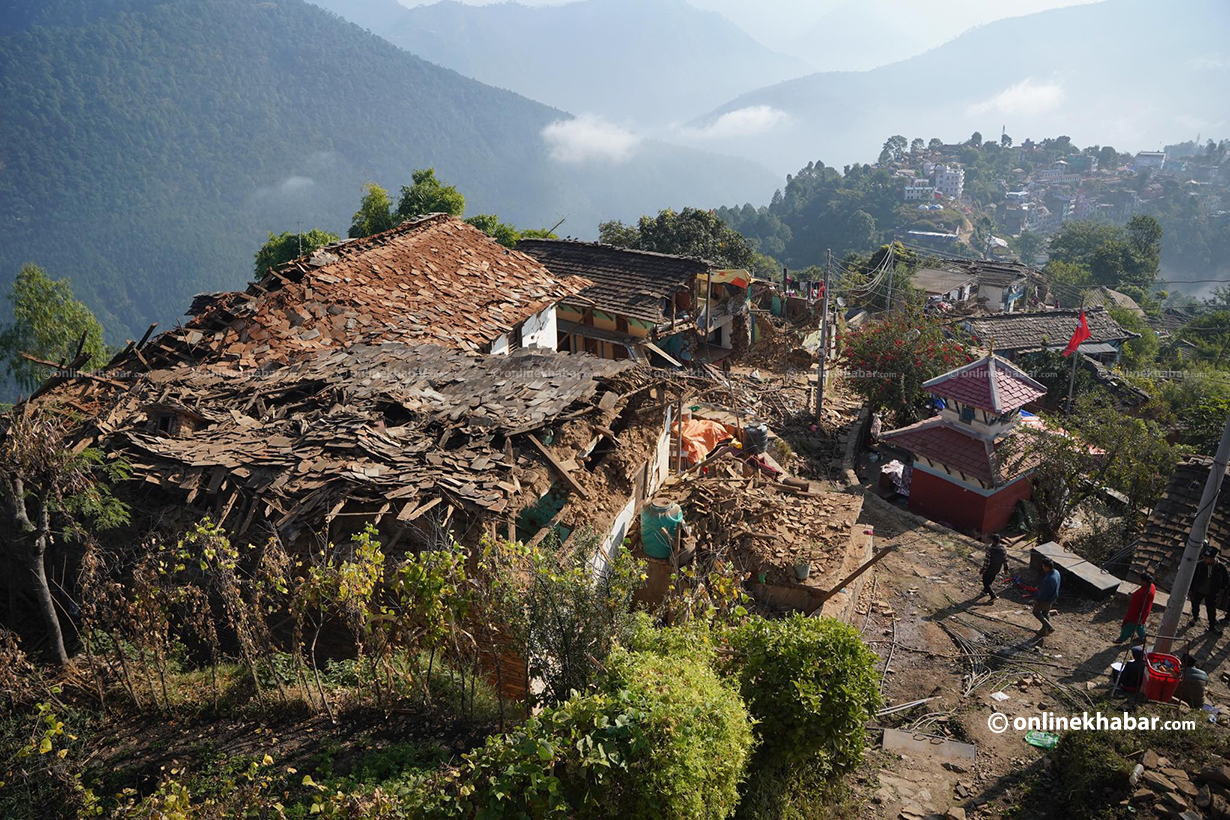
x,y
629,283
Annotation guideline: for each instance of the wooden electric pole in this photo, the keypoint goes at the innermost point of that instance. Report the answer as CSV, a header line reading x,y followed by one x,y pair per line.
x,y
824,334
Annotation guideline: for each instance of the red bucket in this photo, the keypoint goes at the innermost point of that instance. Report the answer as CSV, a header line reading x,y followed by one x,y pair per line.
x,y
1162,675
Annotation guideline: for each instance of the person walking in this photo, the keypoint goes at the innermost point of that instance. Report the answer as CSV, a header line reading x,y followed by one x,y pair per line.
x,y
1140,606
1048,593
995,560
1209,581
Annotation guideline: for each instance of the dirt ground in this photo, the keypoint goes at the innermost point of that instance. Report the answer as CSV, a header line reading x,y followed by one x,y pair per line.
x,y
920,614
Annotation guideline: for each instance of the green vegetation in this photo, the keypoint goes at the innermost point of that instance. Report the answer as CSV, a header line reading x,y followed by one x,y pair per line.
x,y
661,737
810,684
287,246
690,232
1088,778
213,123
49,323
889,360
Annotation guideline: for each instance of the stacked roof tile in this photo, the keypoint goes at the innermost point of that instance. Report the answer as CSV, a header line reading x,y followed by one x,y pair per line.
x,y
435,279
384,428
635,284
1048,328
1161,544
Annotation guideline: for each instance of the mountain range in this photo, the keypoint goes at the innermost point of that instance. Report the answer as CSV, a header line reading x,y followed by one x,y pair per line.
x,y
1131,71
640,63
147,147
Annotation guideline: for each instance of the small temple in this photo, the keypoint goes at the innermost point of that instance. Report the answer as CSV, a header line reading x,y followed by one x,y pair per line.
x,y
959,474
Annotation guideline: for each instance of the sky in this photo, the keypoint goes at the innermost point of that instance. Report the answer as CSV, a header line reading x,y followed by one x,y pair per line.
x,y
787,25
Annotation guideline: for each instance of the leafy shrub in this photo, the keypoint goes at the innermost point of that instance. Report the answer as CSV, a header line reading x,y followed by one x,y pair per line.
x,y
810,685
663,737
693,639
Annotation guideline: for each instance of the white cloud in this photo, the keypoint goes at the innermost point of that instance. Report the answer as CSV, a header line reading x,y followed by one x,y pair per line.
x,y
589,137
742,122
288,187
1025,98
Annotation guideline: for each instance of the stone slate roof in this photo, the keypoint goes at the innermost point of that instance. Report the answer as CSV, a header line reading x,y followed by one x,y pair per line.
x,y
435,279
1161,545
994,274
1172,319
1045,328
991,383
634,284
1112,299
932,281
955,447
384,428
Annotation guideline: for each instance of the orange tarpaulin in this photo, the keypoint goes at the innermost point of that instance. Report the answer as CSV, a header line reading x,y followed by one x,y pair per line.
x,y
702,436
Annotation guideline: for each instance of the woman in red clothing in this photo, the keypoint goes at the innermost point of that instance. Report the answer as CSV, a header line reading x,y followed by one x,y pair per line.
x,y
1139,607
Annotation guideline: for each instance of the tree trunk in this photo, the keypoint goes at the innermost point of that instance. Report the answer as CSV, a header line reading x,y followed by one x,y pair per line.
x,y
33,557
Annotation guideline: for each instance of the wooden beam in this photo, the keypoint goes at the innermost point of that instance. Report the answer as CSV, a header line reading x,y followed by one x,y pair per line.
x,y
868,564
559,468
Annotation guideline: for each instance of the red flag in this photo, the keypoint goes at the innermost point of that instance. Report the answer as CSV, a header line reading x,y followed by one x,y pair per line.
x,y
1079,335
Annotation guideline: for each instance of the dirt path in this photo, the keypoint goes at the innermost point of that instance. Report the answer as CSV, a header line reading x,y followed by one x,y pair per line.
x,y
942,644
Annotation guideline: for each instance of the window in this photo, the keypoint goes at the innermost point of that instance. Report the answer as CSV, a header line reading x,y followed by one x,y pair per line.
x,y
166,423
967,414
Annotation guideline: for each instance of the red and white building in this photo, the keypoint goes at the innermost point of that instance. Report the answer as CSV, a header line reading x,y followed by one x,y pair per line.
x,y
959,473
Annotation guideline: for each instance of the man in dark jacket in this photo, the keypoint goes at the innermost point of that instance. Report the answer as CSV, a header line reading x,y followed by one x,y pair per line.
x,y
996,559
1209,581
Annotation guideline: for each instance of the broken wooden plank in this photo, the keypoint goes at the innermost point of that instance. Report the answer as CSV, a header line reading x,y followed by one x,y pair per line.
x,y
411,512
559,468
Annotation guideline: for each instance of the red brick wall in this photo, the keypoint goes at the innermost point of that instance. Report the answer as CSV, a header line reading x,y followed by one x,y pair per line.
x,y
942,500
1001,506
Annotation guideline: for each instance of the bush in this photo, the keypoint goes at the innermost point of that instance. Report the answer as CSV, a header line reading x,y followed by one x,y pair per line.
x,y
663,737
810,685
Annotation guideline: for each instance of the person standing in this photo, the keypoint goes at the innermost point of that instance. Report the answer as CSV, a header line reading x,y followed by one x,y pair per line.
x,y
1048,593
995,560
1208,582
1140,605
1193,684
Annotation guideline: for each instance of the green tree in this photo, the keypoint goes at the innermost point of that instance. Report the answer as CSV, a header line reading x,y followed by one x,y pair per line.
x,y
917,145
1141,352
49,323
1103,448
1029,246
975,139
890,359
375,213
501,232
894,149
935,144
690,232
1005,141
429,195
1077,242
1108,158
49,491
284,247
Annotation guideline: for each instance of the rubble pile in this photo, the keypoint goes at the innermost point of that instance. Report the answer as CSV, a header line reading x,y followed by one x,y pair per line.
x,y
767,528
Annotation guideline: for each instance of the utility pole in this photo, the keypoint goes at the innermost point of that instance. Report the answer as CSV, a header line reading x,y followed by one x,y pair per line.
x,y
824,335
1195,541
888,300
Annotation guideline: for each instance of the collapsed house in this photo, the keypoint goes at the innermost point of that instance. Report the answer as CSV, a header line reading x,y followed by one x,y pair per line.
x,y
1160,546
650,307
372,381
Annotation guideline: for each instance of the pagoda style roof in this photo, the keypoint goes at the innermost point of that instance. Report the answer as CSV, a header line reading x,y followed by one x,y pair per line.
x,y
991,383
957,448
